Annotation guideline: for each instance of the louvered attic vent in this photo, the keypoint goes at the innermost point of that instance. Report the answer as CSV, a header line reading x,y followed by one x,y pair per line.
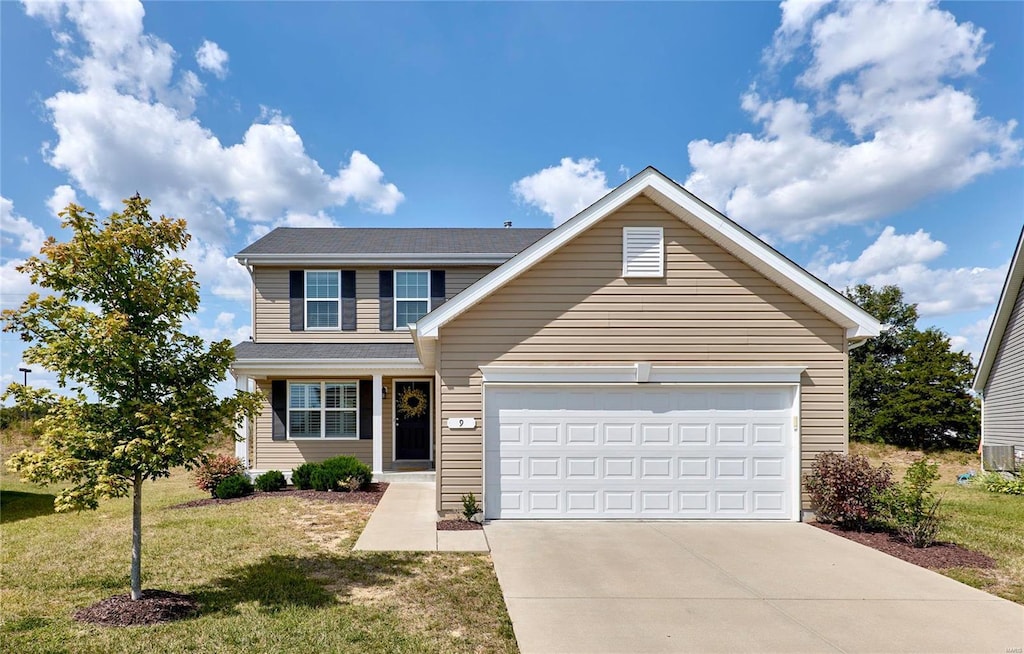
x,y
643,252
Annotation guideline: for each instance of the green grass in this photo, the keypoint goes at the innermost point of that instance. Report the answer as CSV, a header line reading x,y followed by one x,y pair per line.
x,y
986,522
272,575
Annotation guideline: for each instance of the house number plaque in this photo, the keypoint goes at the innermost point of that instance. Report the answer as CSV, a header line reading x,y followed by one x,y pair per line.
x,y
461,423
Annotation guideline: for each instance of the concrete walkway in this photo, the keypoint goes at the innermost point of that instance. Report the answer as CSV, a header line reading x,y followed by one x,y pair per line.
x,y
731,587
405,521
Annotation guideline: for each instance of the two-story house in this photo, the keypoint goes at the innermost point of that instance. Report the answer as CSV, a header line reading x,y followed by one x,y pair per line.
x,y
647,358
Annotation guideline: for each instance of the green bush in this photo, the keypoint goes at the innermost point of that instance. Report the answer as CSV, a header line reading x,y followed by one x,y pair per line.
x,y
470,507
348,471
912,509
270,481
846,490
302,477
233,486
337,473
994,482
215,470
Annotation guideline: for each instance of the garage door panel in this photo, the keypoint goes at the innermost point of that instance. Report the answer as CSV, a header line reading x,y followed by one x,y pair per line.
x,y
669,453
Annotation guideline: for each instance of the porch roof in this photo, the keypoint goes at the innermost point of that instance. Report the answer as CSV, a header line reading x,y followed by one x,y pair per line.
x,y
271,359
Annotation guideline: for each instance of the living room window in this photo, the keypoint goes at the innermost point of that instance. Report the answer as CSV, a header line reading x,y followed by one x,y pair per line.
x,y
412,296
323,301
323,410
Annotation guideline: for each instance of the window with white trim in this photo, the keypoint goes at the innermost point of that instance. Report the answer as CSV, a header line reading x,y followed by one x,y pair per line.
x,y
412,296
323,299
643,252
323,410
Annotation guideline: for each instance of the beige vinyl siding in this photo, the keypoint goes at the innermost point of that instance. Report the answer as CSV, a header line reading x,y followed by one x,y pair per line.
x,y
1004,392
272,304
575,307
267,454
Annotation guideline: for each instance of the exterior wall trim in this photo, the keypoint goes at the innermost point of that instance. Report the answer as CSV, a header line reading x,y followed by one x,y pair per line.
x,y
1007,300
641,372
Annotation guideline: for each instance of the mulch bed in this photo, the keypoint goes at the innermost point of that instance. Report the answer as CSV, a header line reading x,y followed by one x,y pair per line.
x,y
371,495
937,557
155,607
458,525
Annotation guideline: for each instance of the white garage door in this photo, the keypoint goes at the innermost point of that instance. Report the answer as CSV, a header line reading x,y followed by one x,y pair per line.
x,y
640,452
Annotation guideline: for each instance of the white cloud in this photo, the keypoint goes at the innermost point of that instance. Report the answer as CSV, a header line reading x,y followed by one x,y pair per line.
x,y
62,196
362,181
971,339
902,260
564,190
873,125
212,59
223,327
128,127
19,231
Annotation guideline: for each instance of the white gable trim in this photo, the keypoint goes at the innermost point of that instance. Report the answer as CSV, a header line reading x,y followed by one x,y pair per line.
x,y
1011,289
858,323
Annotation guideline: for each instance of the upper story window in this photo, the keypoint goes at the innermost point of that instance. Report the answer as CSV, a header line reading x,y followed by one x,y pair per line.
x,y
323,409
412,296
323,300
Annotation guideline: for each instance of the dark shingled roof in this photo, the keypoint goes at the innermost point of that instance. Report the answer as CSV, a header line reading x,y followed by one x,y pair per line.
x,y
389,240
284,351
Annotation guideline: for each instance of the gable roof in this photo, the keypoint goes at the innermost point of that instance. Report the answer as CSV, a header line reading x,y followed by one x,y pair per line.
x,y
685,206
1011,289
376,244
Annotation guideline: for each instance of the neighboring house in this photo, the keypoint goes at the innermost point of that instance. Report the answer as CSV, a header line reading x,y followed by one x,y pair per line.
x,y
1000,376
649,358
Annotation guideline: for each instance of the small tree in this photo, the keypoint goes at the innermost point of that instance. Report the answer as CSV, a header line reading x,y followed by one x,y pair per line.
x,y
113,326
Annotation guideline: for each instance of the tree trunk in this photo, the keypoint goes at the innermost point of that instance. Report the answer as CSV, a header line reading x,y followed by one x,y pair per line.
x,y
137,537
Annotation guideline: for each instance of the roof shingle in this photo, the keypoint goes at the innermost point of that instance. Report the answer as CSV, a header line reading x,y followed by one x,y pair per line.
x,y
388,240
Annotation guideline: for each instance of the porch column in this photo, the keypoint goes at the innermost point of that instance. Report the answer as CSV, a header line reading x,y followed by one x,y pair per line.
x,y
242,446
378,423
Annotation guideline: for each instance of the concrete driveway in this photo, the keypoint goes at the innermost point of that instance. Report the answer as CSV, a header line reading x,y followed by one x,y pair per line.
x,y
732,587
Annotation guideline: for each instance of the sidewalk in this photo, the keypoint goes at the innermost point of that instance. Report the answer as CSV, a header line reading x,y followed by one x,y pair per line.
x,y
405,521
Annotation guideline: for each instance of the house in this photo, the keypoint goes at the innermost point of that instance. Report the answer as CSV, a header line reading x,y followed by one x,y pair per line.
x,y
649,358
999,379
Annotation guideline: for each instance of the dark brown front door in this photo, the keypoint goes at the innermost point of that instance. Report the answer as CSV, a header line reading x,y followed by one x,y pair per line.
x,y
412,420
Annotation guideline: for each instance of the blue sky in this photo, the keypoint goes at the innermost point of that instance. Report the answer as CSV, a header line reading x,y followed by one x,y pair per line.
x,y
867,141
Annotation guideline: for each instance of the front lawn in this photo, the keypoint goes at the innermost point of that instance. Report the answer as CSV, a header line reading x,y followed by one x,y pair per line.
x,y
989,523
273,575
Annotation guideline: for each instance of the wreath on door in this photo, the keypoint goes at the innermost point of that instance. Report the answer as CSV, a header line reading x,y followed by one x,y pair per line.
x,y
412,402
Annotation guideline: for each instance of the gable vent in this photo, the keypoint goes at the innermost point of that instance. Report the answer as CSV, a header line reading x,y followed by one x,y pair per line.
x,y
643,252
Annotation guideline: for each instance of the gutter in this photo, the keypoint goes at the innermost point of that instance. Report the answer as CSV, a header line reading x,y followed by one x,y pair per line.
x,y
372,258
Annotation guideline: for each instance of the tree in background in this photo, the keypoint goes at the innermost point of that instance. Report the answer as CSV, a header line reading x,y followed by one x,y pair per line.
x,y
113,326
906,386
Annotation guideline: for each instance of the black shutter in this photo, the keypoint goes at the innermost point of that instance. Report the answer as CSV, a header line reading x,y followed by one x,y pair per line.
x,y
437,296
387,300
297,300
279,405
365,409
348,300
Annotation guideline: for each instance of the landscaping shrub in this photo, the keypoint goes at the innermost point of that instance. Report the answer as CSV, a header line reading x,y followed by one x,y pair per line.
x,y
215,470
997,483
302,477
347,471
470,507
233,486
323,479
913,511
846,490
270,481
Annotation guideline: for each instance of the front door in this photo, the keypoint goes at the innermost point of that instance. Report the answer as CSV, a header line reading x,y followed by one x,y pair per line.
x,y
412,420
